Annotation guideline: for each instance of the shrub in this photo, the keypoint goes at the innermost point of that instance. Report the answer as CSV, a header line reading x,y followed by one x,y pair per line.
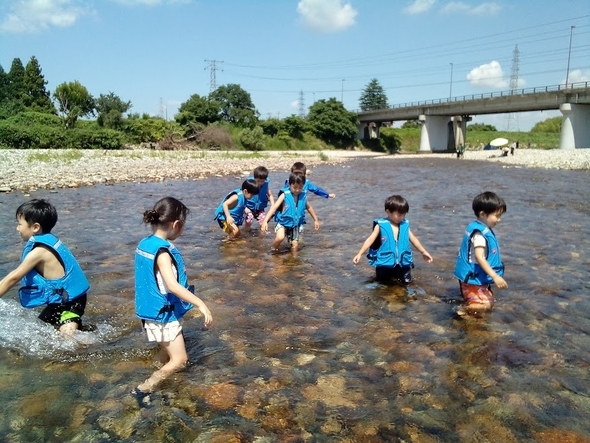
x,y
252,139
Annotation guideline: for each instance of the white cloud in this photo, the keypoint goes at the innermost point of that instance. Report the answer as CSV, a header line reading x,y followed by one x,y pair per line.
x,y
419,6
487,8
295,104
37,15
326,15
488,75
150,2
577,76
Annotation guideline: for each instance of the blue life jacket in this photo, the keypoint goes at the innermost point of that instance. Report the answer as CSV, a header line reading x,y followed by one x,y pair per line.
x,y
237,212
36,290
150,303
291,214
259,202
467,269
386,251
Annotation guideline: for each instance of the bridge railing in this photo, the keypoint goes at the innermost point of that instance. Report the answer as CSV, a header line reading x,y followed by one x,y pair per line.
x,y
510,92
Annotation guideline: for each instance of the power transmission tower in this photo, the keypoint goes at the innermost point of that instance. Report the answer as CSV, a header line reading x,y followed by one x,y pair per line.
x,y
301,104
512,124
213,68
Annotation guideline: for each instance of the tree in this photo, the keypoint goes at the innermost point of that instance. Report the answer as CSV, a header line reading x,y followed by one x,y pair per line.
x,y
410,124
294,126
110,109
198,109
235,105
16,81
271,126
36,98
549,125
482,127
331,122
74,101
373,97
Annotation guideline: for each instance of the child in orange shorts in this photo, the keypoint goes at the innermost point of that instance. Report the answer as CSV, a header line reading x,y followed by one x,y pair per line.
x,y
479,263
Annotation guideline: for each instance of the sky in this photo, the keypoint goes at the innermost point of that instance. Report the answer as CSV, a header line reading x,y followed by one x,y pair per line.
x,y
289,53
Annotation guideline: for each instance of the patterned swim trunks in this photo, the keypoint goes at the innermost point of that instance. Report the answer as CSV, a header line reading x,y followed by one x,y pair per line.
x,y
477,294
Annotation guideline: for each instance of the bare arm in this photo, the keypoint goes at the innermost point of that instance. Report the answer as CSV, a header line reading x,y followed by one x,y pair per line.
x,y
227,205
33,259
416,243
316,221
276,205
271,199
483,263
367,244
165,267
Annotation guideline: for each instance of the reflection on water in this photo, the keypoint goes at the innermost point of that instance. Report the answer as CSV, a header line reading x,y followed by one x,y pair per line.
x,y
309,347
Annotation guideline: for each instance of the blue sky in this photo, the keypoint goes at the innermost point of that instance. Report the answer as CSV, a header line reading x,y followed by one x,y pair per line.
x,y
157,53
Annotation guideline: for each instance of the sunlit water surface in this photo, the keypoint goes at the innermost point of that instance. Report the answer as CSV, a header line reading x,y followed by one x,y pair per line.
x,y
308,347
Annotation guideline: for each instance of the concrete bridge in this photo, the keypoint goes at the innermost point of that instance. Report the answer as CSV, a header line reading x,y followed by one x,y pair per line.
x,y
444,121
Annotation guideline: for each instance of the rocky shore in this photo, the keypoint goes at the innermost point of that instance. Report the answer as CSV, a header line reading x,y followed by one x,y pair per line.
x,y
27,170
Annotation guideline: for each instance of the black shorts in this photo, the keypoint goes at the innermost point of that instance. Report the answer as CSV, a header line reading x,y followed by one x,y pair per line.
x,y
385,274
74,309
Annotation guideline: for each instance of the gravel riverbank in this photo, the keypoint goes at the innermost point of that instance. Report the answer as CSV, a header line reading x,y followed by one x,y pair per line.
x,y
27,170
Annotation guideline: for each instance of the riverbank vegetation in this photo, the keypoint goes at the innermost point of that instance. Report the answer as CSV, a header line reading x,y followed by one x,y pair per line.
x,y
71,118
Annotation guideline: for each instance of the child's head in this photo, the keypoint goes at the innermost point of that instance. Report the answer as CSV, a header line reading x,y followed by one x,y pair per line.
x,y
488,203
396,208
166,211
260,175
296,182
299,167
38,211
250,188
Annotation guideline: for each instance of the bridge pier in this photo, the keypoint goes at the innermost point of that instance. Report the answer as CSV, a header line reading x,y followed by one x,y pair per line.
x,y
433,137
575,131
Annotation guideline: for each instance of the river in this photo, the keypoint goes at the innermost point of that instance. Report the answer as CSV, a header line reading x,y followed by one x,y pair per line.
x,y
308,347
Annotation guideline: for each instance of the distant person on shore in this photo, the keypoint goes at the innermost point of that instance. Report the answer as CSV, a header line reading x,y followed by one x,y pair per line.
x,y
230,212
513,146
49,272
479,263
390,243
256,206
290,208
162,293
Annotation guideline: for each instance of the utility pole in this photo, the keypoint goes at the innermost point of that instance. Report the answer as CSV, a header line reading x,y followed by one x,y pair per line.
x,y
512,123
569,53
213,67
342,92
451,83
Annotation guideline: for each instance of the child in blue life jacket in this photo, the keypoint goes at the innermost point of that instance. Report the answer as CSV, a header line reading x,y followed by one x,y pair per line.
x,y
256,206
49,273
390,244
479,263
162,293
289,208
230,212
300,168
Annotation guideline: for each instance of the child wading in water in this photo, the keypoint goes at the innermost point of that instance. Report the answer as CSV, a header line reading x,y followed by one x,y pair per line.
x,y
162,293
390,244
479,263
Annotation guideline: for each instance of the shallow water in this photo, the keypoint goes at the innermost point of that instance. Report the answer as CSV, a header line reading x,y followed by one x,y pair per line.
x,y
309,347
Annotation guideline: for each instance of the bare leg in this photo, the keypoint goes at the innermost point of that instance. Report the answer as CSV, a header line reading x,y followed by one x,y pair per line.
x,y
278,238
68,328
177,358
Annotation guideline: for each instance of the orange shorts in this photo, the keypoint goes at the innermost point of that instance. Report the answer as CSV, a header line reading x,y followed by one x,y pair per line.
x,y
476,294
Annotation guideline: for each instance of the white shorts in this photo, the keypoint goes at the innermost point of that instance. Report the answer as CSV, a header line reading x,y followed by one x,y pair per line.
x,y
162,332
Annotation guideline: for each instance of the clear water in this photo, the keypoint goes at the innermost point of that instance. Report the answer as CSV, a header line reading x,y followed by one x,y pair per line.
x,y
309,347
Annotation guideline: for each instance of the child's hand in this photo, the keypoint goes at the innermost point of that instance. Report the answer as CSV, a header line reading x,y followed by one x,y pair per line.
x,y
264,227
207,314
356,259
427,257
500,282
332,196
230,221
316,225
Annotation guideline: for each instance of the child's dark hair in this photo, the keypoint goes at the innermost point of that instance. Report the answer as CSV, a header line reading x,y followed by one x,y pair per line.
x,y
489,203
261,172
38,211
299,167
396,203
166,210
251,187
296,178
